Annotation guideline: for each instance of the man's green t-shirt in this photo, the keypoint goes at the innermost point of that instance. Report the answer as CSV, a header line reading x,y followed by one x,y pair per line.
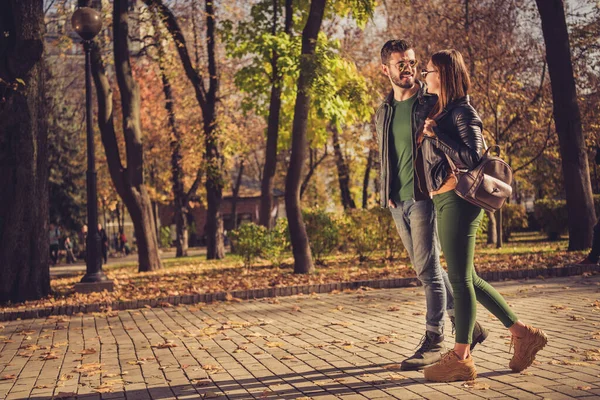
x,y
401,157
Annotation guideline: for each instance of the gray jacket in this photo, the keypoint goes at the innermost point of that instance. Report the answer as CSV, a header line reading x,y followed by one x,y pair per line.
x,y
383,122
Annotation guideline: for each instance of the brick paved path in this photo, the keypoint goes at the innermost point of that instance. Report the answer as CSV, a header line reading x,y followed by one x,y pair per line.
x,y
344,345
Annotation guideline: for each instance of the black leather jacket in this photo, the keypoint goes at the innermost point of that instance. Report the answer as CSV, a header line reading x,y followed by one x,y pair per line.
x,y
383,122
458,135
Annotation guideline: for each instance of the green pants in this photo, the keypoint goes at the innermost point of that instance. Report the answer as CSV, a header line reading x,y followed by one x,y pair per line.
x,y
458,221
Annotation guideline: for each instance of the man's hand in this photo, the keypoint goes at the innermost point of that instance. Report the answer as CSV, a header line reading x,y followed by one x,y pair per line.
x,y
428,127
391,203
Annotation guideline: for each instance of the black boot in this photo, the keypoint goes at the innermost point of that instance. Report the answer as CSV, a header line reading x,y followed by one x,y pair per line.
x,y
479,333
429,352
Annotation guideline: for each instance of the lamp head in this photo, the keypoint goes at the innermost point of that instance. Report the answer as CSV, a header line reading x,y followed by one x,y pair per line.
x,y
87,22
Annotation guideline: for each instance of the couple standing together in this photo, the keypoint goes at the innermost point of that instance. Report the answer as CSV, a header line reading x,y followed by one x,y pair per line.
x,y
419,126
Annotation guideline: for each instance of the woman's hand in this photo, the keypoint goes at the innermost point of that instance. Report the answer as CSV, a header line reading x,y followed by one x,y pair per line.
x,y
428,127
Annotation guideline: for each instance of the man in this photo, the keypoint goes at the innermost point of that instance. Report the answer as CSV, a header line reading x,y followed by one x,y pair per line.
x,y
399,120
103,243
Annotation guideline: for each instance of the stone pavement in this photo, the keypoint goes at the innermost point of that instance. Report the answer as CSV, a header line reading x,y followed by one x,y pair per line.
x,y
328,346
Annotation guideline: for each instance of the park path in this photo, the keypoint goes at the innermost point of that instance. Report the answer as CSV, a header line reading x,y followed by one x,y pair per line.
x,y
327,346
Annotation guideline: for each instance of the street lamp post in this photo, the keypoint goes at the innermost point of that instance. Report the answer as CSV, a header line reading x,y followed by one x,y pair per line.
x,y
87,23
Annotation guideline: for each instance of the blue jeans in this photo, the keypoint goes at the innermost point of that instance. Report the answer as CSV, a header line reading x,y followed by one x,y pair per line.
x,y
416,224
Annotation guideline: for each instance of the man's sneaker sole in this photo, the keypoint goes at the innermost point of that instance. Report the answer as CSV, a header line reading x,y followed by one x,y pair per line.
x,y
531,353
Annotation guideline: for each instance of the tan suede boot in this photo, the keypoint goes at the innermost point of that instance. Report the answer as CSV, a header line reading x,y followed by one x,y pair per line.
x,y
450,368
526,348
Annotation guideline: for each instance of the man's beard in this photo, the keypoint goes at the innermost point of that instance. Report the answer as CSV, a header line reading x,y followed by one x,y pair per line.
x,y
404,85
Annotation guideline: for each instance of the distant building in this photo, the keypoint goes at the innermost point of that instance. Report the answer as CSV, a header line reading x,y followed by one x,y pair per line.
x,y
248,208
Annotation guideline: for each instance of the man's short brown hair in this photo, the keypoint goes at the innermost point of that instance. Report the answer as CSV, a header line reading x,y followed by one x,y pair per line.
x,y
393,46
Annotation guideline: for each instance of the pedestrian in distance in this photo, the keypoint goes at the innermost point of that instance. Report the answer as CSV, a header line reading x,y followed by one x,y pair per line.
x,y
69,251
54,240
103,243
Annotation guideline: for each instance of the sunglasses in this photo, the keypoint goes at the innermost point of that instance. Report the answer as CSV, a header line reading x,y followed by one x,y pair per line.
x,y
403,65
424,73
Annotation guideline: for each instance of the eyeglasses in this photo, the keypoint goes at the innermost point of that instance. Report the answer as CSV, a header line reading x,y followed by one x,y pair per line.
x,y
402,65
424,73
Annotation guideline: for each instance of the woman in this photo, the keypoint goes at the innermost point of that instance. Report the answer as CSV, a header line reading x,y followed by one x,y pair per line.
x,y
454,130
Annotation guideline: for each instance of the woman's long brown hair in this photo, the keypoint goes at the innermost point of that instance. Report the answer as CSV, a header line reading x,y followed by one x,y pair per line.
x,y
454,78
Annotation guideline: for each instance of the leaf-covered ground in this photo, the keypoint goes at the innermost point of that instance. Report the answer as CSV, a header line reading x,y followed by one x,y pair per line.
x,y
196,275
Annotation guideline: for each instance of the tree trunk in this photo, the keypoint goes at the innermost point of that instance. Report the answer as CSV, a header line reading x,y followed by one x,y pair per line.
x,y
367,178
270,167
236,192
180,199
24,251
129,182
215,246
343,172
491,228
567,119
302,256
266,188
499,229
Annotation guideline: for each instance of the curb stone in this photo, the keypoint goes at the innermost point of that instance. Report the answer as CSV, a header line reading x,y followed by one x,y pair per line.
x,y
490,276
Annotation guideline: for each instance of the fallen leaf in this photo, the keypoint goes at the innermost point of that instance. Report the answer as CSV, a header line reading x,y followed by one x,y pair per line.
x,y
476,385
49,356
392,367
88,351
165,345
8,377
105,388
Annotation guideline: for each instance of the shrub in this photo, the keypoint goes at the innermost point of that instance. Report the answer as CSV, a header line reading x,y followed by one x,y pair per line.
x,y
514,217
482,230
249,240
552,216
165,236
277,242
387,233
361,232
323,232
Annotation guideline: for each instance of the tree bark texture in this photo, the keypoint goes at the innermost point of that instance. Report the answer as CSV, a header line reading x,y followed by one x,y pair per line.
x,y
343,172
24,251
303,262
567,119
129,181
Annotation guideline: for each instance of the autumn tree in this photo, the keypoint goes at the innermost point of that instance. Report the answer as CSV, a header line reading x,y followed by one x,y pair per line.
x,y
567,119
23,154
302,256
128,179
207,101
